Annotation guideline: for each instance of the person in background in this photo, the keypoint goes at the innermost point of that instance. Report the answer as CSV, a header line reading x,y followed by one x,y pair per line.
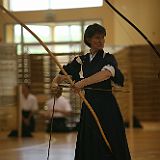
x,y
62,109
29,106
100,70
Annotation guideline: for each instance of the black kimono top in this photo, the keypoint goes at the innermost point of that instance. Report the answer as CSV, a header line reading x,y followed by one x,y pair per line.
x,y
83,64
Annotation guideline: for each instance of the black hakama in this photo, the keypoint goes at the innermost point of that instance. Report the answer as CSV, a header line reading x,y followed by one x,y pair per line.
x,y
90,144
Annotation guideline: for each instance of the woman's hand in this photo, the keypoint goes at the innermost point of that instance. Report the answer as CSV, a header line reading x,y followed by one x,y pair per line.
x,y
54,85
78,86
57,80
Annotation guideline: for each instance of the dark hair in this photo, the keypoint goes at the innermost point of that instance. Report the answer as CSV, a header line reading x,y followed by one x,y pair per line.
x,y
26,85
92,30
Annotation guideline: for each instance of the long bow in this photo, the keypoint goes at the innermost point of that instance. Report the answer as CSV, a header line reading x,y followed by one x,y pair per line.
x,y
53,56
135,27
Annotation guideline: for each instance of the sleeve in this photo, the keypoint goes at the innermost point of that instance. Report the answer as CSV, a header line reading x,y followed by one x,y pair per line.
x,y
112,66
73,68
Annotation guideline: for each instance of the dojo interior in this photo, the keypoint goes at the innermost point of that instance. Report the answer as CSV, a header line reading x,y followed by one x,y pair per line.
x,y
61,25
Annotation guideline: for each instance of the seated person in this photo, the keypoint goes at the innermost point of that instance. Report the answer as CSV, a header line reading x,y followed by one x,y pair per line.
x,y
62,109
28,106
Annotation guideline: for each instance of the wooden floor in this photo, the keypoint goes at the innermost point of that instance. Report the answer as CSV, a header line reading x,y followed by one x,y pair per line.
x,y
144,145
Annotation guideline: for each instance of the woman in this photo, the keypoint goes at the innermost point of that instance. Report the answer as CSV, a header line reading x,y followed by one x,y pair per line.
x,y
29,106
99,70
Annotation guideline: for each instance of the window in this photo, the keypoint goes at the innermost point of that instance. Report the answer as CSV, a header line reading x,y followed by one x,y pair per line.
x,y
34,49
67,48
68,4
28,5
17,33
67,33
64,37
44,32
57,48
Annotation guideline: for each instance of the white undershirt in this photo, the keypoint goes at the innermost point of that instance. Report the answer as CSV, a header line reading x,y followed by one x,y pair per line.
x,y
30,103
61,104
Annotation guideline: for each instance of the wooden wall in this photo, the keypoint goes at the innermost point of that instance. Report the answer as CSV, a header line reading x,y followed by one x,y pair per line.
x,y
141,66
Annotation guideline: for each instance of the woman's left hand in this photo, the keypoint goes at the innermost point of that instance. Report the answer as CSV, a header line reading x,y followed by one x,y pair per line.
x,y
78,86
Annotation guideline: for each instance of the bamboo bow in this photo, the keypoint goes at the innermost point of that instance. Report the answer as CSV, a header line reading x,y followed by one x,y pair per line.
x,y
52,55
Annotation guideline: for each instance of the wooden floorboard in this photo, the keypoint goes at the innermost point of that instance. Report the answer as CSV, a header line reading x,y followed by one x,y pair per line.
x,y
144,144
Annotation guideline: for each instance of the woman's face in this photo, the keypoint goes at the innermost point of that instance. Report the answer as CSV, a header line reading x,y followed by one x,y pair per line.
x,y
97,41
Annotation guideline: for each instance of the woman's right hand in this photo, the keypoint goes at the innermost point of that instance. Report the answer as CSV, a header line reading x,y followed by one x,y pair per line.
x,y
55,83
57,80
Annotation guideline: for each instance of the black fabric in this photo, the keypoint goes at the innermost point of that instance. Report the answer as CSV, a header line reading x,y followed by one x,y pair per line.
x,y
26,129
31,126
58,125
90,144
72,69
136,123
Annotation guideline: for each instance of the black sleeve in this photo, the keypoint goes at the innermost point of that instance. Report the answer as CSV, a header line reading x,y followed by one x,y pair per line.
x,y
73,68
118,78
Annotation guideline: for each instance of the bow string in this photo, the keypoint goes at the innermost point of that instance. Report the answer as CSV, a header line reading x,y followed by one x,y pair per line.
x,y
134,26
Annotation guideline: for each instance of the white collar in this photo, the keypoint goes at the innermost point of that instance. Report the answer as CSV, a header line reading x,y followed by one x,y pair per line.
x,y
91,56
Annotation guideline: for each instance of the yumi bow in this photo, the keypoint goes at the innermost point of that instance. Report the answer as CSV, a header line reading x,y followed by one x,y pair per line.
x,y
53,56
